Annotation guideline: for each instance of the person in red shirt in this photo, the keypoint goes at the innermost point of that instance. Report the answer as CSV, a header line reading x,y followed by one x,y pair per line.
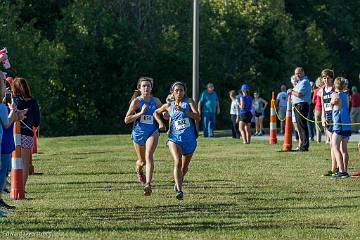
x,y
355,109
316,100
357,173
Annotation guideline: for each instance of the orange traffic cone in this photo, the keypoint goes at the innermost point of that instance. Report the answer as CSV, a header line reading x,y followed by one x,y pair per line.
x,y
272,139
34,149
288,127
17,166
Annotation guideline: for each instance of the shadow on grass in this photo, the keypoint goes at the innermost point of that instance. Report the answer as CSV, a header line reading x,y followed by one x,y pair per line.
x,y
174,217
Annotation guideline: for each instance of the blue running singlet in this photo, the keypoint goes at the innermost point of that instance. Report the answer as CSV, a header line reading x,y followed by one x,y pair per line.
x,y
146,125
340,115
182,129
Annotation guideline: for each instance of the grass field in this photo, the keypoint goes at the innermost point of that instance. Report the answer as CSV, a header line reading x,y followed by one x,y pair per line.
x,y
88,190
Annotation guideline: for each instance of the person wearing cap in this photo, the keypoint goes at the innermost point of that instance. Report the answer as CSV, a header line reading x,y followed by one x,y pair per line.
x,y
355,109
208,107
245,114
301,95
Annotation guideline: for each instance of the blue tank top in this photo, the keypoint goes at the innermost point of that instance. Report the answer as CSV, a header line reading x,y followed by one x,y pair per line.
x,y
146,124
327,106
341,114
182,128
247,102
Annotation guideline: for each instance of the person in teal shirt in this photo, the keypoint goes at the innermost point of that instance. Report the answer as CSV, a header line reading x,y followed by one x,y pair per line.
x,y
208,107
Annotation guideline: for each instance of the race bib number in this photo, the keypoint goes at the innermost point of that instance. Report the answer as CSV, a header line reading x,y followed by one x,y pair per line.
x,y
147,119
182,124
327,107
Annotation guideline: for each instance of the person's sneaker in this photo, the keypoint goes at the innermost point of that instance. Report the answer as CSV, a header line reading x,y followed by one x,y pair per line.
x,y
328,174
356,174
344,175
141,177
341,175
179,195
147,190
260,134
5,205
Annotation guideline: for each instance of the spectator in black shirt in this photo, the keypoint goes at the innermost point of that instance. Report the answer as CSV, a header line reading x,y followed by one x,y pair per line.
x,y
23,100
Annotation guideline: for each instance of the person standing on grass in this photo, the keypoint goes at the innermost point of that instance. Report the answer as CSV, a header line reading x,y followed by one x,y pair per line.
x,y
245,114
24,100
259,107
208,108
355,109
145,133
316,100
341,127
311,125
8,114
301,95
294,81
234,113
281,104
325,93
182,133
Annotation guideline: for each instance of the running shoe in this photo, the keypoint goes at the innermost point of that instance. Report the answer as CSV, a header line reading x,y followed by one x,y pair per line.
x,y
341,175
179,195
5,205
140,176
356,174
329,174
147,190
260,134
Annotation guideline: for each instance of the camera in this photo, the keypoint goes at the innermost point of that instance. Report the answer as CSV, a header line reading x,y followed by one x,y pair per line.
x,y
8,97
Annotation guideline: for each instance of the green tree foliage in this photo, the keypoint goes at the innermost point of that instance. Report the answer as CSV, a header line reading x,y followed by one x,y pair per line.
x,y
83,57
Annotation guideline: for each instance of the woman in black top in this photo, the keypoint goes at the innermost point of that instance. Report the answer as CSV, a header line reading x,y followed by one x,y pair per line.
x,y
23,100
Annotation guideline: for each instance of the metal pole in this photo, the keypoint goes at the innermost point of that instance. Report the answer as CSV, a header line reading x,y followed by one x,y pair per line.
x,y
195,83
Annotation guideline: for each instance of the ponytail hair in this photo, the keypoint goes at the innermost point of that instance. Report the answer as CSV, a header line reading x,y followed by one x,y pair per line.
x,y
136,94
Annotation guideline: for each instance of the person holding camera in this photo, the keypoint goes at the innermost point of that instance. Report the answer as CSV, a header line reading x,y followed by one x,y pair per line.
x,y
24,101
8,114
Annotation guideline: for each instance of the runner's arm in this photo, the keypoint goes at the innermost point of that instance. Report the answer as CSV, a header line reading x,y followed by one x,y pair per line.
x,y
131,114
193,113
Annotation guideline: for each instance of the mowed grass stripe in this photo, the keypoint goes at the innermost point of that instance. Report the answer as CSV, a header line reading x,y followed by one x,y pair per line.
x,y
88,190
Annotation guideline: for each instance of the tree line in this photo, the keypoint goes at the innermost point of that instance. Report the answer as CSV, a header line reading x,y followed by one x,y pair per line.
x,y
82,58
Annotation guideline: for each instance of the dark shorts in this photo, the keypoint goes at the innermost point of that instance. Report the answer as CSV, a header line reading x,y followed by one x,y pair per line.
x,y
329,128
343,134
259,114
246,117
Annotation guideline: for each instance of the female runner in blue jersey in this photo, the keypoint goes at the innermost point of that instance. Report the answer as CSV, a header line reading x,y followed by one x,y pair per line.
x,y
182,133
145,132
